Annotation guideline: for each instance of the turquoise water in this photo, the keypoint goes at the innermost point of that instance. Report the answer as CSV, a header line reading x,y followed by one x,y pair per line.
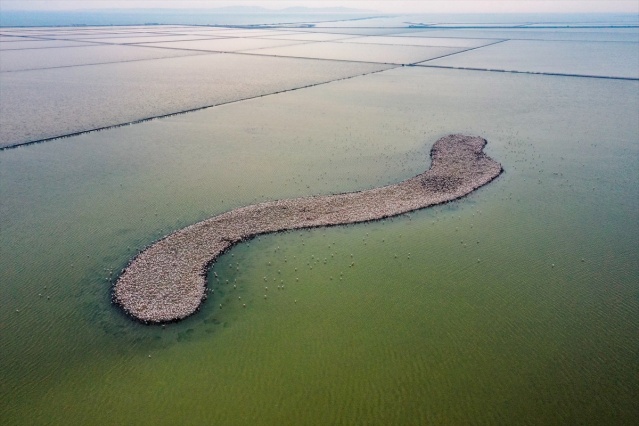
x,y
515,305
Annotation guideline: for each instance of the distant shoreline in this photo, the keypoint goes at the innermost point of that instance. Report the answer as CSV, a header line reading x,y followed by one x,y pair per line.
x,y
295,17
206,17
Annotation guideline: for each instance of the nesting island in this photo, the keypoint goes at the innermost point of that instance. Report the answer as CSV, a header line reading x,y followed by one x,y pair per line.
x,y
167,281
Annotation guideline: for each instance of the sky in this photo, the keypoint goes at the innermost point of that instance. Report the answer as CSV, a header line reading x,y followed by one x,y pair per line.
x,y
406,6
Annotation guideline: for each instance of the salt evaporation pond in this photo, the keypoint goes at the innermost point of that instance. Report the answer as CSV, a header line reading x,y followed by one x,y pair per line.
x,y
33,108
517,304
601,59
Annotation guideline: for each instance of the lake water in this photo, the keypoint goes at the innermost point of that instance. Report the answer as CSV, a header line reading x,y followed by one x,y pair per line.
x,y
515,305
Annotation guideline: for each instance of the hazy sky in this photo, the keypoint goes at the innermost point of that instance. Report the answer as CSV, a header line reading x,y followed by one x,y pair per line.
x,y
406,6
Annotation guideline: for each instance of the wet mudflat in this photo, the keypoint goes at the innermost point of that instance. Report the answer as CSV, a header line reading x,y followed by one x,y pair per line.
x,y
516,304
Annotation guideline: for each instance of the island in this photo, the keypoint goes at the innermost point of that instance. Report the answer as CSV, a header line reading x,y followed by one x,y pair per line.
x,y
167,280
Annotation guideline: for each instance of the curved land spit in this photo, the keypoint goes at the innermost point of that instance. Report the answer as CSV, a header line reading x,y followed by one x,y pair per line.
x,y
167,281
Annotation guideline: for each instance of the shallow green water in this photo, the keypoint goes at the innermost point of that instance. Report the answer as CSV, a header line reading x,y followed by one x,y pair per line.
x,y
450,315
